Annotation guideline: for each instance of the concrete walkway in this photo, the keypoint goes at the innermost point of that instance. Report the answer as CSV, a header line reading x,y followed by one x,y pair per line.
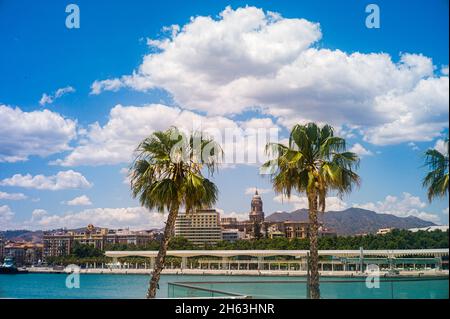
x,y
416,273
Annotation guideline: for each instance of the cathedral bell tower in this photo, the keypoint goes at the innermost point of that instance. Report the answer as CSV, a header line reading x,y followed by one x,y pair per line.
x,y
256,214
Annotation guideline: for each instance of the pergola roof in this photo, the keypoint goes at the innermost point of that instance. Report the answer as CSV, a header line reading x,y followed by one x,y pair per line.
x,y
295,253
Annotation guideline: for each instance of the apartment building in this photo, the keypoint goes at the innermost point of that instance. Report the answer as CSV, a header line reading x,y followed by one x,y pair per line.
x,y
202,227
24,253
60,243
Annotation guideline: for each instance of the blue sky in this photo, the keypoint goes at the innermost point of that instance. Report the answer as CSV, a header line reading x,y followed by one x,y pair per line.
x,y
385,90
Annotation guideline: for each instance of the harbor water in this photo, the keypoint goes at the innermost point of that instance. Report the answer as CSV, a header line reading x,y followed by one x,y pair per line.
x,y
114,286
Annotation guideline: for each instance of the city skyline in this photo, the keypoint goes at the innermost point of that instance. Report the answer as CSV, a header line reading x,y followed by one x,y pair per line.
x,y
75,103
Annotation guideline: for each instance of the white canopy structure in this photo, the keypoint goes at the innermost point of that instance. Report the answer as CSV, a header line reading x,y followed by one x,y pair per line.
x,y
391,253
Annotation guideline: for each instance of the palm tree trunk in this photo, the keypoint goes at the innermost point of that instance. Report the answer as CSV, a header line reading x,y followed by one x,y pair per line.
x,y
160,259
314,253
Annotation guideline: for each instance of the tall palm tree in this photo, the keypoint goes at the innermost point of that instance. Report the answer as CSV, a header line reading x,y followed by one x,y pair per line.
x,y
167,174
437,179
314,162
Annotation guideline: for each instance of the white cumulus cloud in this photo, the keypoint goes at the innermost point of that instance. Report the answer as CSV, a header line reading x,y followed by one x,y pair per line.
x,y
137,218
441,146
6,216
41,133
62,180
116,141
249,58
50,98
37,214
106,85
82,200
360,150
241,216
12,196
413,146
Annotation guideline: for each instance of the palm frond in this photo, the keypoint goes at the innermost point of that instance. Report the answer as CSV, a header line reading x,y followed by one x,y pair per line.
x,y
314,162
436,180
167,171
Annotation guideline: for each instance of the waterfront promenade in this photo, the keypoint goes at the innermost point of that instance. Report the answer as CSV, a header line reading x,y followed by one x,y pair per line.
x,y
179,271
410,262
296,260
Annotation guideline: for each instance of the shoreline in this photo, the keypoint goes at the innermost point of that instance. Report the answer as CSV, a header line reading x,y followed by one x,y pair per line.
x,y
262,273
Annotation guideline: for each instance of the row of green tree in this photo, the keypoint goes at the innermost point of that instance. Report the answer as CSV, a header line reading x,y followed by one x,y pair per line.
x,y
80,254
397,239
176,243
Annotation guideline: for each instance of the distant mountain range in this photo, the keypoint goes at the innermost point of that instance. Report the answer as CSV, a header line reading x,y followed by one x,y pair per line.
x,y
353,221
23,235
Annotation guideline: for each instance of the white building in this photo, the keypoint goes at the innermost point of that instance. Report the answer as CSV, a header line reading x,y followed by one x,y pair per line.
x,y
202,227
232,235
383,231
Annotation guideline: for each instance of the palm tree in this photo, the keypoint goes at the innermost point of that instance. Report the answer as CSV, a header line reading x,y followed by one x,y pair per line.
x,y
437,179
167,175
315,162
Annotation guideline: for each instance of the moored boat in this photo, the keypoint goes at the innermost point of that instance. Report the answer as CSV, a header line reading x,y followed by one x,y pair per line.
x,y
8,267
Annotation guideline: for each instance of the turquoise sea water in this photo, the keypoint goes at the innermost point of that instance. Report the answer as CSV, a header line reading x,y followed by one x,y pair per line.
x,y
103,286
